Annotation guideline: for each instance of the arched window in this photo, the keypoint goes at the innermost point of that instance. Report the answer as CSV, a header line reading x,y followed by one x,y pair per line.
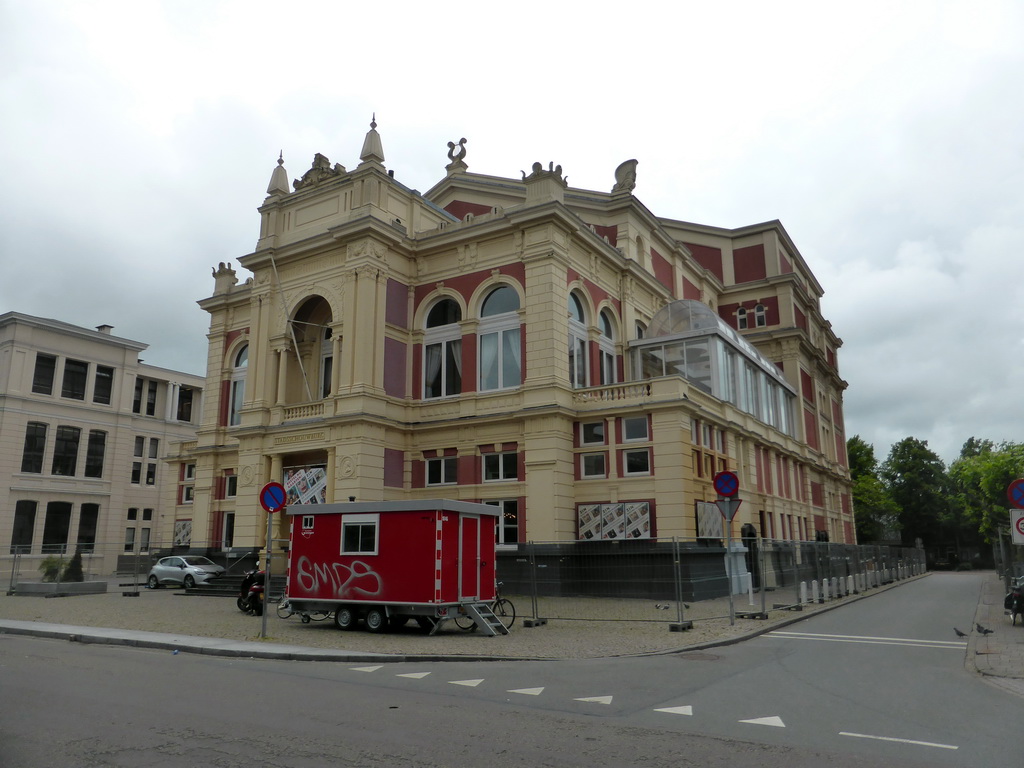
x,y
741,319
606,347
500,352
238,371
760,317
578,368
442,350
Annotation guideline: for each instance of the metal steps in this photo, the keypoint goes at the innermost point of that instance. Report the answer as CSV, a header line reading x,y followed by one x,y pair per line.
x,y
485,619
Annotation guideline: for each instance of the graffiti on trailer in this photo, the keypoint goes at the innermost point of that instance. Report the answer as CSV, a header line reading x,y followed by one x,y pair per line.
x,y
355,580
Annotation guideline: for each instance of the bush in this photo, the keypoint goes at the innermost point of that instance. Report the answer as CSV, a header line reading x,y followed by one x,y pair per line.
x,y
50,567
73,572
964,567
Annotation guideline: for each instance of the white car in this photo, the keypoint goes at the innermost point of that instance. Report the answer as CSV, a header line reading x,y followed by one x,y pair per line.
x,y
187,570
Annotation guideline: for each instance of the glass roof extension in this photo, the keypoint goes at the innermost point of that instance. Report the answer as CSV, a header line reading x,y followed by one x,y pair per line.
x,y
688,339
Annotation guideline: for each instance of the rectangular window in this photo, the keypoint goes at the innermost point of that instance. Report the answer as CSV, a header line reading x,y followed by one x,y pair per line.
x,y
151,399
88,519
94,453
133,513
129,539
144,540
635,429
507,530
185,397
442,471
24,527
593,465
154,447
42,378
137,400
592,433
140,446
65,451
147,514
359,534
237,399
636,462
56,527
35,444
104,385
501,466
230,486
307,522
150,474
190,471
188,493
136,472
75,374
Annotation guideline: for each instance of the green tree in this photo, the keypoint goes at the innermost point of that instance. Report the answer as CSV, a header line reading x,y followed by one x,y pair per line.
x,y
917,483
875,514
980,479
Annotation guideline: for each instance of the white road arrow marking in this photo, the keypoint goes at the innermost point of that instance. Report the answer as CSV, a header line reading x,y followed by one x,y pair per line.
x,y
773,721
365,669
687,710
596,699
414,675
469,683
528,691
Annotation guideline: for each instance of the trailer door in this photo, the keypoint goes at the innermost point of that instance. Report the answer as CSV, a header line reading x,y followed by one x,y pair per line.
x,y
469,559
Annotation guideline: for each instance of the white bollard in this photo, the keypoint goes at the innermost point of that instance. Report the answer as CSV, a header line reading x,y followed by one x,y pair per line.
x,y
835,588
824,590
750,587
850,588
814,591
803,592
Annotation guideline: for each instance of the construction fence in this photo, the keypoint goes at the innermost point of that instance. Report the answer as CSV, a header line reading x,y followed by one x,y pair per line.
x,y
679,580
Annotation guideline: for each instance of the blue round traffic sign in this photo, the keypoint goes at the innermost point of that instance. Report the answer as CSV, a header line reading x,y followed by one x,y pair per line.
x,y
273,497
726,483
1016,493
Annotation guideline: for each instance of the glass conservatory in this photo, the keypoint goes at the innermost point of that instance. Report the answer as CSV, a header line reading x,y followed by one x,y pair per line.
x,y
686,338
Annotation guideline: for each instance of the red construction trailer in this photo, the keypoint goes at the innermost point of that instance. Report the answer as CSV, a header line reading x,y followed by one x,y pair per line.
x,y
388,561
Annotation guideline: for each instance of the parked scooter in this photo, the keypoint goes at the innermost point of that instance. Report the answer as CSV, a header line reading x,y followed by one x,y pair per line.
x,y
1014,601
250,594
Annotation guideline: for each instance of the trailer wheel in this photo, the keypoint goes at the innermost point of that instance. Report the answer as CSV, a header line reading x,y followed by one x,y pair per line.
x,y
376,620
345,617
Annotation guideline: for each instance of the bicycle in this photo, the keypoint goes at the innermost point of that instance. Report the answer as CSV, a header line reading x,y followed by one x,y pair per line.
x,y
285,610
503,608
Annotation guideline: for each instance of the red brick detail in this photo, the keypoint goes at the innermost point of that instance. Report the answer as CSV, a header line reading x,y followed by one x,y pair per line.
x,y
708,257
394,468
807,386
663,271
225,403
785,265
611,232
396,310
811,428
817,494
459,209
748,263
394,368
690,291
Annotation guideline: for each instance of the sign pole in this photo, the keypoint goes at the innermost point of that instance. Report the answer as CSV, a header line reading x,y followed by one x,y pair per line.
x,y
273,498
728,485
266,577
728,570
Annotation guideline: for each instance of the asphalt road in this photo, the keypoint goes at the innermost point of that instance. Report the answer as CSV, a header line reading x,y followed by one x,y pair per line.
x,y
879,683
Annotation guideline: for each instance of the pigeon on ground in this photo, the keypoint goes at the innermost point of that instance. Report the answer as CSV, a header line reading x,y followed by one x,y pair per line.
x,y
959,633
983,630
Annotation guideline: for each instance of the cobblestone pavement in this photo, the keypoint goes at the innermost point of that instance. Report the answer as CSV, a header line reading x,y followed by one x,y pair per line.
x,y
647,630
999,657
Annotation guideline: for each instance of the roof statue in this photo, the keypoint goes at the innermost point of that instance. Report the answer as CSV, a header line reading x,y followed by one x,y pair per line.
x,y
373,150
279,178
457,155
319,171
625,177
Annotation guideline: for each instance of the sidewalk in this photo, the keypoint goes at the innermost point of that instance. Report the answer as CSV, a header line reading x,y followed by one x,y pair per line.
x,y
998,657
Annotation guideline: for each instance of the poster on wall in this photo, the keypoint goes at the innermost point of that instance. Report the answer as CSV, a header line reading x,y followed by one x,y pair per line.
x,y
631,520
306,485
182,533
709,521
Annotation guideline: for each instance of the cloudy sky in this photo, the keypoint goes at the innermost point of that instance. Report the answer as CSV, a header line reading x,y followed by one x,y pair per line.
x,y
138,139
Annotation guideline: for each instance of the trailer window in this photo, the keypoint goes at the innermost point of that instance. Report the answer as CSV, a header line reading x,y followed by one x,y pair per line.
x,y
359,534
307,522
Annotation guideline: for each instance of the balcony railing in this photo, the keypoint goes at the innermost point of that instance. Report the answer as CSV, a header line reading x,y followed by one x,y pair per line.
x,y
303,411
632,390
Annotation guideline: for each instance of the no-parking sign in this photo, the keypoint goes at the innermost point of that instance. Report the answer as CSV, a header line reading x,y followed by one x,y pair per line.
x,y
1017,526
